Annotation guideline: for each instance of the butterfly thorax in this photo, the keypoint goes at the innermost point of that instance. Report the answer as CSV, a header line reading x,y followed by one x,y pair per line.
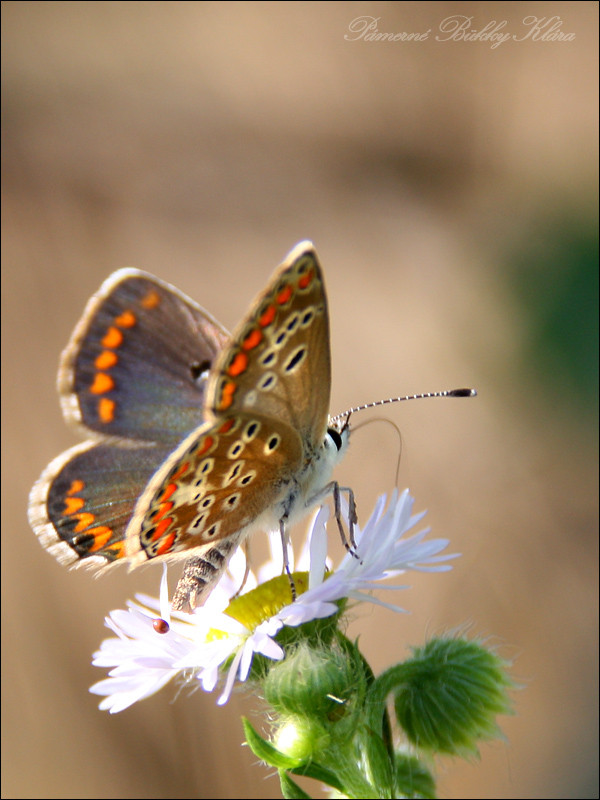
x,y
293,498
309,486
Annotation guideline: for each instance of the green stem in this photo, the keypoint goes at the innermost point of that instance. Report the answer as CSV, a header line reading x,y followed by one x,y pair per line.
x,y
379,712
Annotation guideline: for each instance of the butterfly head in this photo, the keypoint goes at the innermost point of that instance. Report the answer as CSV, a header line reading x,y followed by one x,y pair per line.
x,y
338,432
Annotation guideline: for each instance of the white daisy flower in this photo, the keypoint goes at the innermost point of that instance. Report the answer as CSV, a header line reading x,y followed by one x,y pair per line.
x,y
382,551
154,646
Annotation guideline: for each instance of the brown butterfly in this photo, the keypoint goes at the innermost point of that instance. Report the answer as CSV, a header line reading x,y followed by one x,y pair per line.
x,y
199,438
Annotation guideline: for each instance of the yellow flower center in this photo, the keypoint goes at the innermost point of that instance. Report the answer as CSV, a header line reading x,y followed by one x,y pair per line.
x,y
266,600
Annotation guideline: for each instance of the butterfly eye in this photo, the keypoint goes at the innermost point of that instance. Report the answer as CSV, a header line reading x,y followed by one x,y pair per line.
x,y
336,436
197,369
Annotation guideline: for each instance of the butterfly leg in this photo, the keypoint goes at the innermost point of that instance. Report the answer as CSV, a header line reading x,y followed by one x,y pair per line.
x,y
336,490
286,562
349,541
202,572
246,547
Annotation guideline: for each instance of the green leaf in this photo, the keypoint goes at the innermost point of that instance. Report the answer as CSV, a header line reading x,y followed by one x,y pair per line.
x,y
378,766
272,756
319,773
413,779
290,789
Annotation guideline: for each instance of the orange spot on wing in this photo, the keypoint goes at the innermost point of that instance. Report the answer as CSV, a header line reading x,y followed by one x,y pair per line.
x,y
227,426
167,545
85,520
151,300
73,504
306,279
267,317
102,383
106,360
164,509
161,528
102,535
253,339
172,487
76,486
181,471
117,549
206,445
113,338
238,365
284,295
106,409
126,320
227,393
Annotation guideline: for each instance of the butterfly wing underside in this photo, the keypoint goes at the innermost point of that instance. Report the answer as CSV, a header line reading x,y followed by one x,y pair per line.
x,y
279,361
134,376
134,365
266,409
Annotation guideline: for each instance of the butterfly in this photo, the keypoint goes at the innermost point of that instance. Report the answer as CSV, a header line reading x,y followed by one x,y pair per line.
x,y
197,438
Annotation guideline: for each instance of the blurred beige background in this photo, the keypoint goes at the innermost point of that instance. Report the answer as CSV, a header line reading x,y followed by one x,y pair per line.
x,y
450,189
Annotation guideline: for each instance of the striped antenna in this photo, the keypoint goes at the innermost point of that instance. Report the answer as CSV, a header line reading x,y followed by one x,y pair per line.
x,y
447,393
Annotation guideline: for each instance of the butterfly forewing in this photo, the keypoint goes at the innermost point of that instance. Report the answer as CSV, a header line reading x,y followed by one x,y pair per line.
x,y
278,361
264,423
134,365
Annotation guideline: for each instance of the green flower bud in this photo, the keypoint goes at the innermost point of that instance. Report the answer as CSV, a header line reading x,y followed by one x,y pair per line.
x,y
301,738
311,682
449,695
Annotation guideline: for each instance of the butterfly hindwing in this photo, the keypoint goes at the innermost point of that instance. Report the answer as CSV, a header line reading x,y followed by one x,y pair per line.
x,y
137,362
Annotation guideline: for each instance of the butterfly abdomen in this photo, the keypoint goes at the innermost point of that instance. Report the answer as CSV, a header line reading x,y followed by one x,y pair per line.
x,y
202,572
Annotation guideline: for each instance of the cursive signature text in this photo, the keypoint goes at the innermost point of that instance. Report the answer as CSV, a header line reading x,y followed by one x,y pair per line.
x,y
460,28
